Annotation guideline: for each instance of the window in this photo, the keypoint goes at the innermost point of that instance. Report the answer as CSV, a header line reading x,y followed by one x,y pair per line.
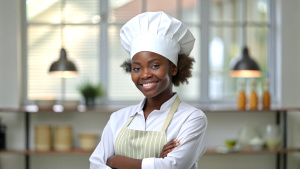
x,y
234,24
91,37
80,36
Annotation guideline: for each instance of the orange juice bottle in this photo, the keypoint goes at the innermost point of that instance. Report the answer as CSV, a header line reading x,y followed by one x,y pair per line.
x,y
266,97
253,99
241,97
241,100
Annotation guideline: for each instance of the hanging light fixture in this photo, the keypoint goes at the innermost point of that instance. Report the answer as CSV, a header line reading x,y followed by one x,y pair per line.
x,y
63,67
245,66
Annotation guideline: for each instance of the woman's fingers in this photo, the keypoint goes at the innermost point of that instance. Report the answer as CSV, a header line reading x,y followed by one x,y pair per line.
x,y
166,153
169,147
172,144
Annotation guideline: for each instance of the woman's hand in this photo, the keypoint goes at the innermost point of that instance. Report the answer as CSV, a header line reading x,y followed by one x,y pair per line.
x,y
169,147
122,162
109,161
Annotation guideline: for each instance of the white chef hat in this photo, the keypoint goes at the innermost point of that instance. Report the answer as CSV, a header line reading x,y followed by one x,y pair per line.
x,y
159,33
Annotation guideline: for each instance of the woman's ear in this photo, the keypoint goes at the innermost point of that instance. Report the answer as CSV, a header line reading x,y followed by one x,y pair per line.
x,y
174,70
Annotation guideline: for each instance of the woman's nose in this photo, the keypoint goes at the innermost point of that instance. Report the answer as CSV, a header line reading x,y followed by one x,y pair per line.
x,y
146,73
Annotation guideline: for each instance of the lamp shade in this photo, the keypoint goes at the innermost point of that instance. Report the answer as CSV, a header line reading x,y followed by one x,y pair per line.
x,y
63,67
245,66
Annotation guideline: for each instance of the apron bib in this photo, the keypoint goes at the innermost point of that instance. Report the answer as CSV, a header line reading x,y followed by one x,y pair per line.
x,y
140,144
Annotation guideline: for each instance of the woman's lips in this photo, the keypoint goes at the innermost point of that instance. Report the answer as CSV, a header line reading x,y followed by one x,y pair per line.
x,y
149,86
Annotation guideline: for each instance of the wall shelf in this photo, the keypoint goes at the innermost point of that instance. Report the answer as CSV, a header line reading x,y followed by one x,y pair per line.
x,y
209,151
51,152
113,108
279,112
21,152
213,151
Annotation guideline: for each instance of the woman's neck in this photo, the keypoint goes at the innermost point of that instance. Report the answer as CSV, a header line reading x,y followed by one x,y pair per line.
x,y
155,103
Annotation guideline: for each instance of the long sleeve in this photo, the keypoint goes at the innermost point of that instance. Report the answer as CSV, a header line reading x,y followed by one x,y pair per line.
x,y
191,147
104,149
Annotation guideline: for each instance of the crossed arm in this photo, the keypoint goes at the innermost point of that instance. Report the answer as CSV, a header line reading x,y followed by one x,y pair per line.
x,y
122,162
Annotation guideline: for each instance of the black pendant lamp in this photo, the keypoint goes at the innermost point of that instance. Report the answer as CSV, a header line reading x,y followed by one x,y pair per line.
x,y
245,66
63,67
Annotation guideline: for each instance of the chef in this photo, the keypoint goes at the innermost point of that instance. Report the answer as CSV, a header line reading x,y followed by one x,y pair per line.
x,y
161,132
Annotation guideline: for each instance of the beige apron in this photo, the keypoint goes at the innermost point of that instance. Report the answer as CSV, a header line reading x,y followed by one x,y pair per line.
x,y
140,144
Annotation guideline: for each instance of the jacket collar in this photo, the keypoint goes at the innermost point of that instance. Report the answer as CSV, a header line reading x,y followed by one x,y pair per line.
x,y
165,106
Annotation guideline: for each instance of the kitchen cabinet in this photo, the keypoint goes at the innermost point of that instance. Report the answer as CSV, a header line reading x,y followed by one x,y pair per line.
x,y
280,115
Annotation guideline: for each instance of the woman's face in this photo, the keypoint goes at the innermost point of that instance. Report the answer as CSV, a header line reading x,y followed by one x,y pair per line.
x,y
152,74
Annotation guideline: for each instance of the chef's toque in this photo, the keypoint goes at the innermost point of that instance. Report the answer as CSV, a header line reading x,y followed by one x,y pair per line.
x,y
159,33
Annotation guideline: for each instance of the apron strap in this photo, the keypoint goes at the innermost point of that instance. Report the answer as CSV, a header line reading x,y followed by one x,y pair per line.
x,y
171,113
129,121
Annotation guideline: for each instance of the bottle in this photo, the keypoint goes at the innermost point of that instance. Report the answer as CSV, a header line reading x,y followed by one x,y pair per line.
x,y
2,136
241,98
266,97
253,99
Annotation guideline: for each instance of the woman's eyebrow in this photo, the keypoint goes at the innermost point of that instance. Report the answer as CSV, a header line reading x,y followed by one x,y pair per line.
x,y
150,61
137,63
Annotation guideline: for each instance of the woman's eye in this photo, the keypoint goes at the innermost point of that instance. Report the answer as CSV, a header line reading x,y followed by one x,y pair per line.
x,y
155,66
136,69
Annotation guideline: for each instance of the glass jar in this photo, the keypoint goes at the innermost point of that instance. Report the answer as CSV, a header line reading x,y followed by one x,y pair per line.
x,y
272,136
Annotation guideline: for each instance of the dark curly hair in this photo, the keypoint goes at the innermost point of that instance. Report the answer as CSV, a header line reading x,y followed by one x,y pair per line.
x,y
184,65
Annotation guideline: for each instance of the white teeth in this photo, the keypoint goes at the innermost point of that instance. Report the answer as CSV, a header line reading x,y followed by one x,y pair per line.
x,y
147,84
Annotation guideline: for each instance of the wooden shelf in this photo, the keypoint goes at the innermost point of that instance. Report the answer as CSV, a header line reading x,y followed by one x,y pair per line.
x,y
21,152
233,109
113,108
210,151
213,151
11,110
51,152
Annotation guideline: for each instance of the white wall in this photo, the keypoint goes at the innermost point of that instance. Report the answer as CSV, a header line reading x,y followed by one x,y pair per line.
x,y
10,81
289,82
289,57
9,53
290,70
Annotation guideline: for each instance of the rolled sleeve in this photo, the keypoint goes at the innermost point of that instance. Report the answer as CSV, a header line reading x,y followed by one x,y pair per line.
x,y
148,163
191,146
104,149
95,166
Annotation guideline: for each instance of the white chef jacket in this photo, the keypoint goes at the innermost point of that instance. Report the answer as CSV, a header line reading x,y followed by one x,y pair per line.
x,y
188,125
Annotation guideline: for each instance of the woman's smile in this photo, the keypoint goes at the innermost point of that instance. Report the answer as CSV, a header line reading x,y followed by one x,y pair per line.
x,y
149,86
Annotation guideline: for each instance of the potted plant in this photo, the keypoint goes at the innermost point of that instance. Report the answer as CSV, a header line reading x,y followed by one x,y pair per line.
x,y
90,92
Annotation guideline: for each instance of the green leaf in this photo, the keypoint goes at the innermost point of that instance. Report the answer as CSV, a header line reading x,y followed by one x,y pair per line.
x,y
89,90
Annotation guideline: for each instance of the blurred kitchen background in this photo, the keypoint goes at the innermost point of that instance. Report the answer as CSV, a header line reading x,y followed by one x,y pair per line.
x,y
39,104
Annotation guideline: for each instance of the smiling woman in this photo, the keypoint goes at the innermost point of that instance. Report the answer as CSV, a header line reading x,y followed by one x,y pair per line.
x,y
160,131
152,75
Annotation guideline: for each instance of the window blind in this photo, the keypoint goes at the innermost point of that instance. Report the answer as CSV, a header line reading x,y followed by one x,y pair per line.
x,y
81,41
219,37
